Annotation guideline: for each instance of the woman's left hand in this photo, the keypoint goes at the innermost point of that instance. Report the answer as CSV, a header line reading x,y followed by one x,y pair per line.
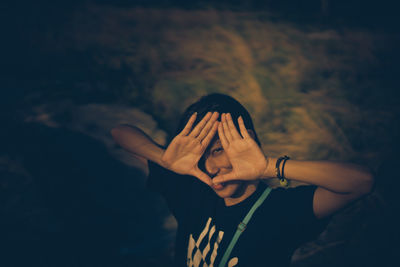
x,y
247,160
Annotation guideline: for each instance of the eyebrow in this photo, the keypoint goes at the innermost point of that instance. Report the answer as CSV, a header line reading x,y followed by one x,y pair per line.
x,y
216,143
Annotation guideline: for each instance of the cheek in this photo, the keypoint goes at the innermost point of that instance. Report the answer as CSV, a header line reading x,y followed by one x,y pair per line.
x,y
224,158
219,163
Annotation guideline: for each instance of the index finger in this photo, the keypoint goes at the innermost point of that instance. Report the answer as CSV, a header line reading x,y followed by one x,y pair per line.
x,y
208,127
206,141
232,127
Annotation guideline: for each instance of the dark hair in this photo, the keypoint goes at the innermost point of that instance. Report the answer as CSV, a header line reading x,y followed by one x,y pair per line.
x,y
222,104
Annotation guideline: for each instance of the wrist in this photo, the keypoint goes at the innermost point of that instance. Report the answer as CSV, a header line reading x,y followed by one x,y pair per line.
x,y
270,171
161,160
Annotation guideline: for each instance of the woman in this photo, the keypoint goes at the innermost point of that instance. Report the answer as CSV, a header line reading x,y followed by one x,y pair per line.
x,y
210,176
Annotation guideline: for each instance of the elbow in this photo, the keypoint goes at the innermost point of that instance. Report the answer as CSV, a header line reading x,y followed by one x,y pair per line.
x,y
367,183
115,132
117,135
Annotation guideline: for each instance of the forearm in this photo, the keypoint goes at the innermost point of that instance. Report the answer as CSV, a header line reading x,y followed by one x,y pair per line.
x,y
340,178
135,141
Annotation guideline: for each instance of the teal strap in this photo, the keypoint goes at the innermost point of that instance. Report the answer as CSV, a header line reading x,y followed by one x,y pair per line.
x,y
242,226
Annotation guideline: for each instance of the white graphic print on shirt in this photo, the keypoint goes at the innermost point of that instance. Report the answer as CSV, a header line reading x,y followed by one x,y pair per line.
x,y
200,255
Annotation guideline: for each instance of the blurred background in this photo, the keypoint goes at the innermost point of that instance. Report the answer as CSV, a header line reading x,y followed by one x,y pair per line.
x,y
318,76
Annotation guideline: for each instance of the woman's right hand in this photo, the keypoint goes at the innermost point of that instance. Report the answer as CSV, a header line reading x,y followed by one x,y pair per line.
x,y
185,150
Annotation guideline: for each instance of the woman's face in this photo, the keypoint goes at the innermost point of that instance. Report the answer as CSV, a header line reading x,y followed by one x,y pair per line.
x,y
217,163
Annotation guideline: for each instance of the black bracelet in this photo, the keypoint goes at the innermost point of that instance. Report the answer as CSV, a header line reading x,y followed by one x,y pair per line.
x,y
282,180
277,166
283,167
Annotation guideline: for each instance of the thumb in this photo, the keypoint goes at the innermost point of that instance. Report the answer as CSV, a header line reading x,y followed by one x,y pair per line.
x,y
225,178
203,177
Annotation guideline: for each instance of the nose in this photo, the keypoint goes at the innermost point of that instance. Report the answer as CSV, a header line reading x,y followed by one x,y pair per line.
x,y
211,168
218,166
212,175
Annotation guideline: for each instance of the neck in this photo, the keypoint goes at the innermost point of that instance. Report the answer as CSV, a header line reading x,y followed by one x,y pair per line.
x,y
246,190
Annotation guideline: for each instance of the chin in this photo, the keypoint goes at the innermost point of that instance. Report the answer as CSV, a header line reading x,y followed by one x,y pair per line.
x,y
228,189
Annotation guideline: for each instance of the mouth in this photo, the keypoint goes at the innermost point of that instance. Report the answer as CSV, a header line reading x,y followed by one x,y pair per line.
x,y
218,187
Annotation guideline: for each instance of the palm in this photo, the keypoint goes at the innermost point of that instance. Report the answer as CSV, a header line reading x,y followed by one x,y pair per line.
x,y
247,160
184,152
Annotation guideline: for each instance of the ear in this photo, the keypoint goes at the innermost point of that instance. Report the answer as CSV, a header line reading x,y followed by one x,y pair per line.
x,y
251,133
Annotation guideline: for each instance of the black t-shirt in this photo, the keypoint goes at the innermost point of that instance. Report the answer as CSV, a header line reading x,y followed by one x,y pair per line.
x,y
206,226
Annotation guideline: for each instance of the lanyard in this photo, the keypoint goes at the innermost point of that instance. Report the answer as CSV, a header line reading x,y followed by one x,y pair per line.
x,y
242,226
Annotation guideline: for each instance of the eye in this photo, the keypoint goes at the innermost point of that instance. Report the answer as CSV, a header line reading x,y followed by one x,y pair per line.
x,y
216,151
